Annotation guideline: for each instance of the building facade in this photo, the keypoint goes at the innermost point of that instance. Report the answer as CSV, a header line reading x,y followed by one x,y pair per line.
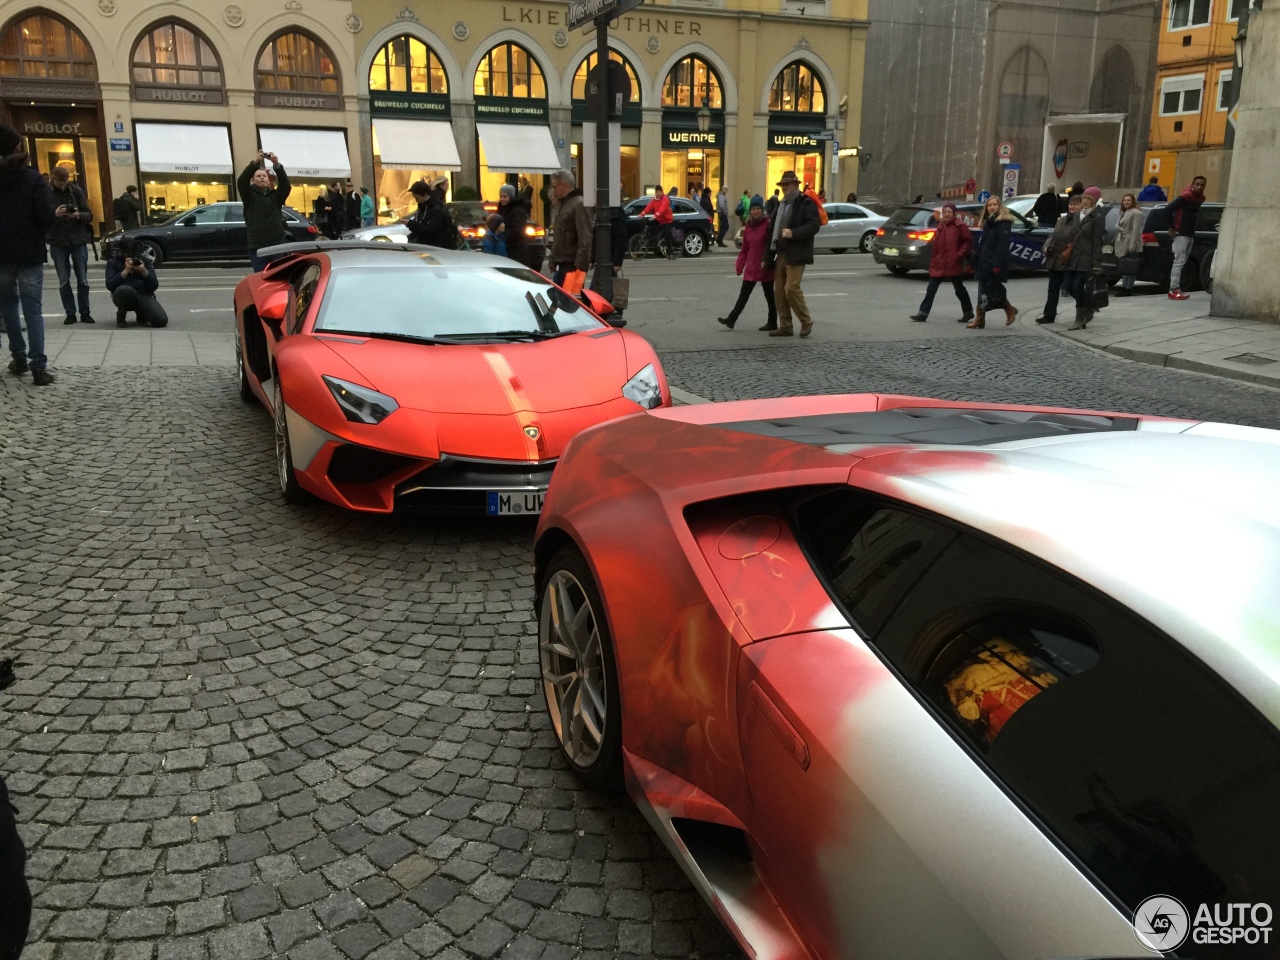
x,y
177,98
732,92
1009,95
1196,56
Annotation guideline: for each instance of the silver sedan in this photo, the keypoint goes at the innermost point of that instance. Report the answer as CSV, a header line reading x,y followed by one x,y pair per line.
x,y
849,227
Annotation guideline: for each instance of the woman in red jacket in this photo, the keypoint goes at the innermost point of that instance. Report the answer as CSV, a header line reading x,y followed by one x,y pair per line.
x,y
950,250
750,266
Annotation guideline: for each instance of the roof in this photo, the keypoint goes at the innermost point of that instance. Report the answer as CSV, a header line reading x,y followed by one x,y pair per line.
x,y
363,253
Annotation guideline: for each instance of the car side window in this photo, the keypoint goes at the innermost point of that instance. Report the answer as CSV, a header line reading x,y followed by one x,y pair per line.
x,y
234,213
1138,759
853,213
304,291
204,215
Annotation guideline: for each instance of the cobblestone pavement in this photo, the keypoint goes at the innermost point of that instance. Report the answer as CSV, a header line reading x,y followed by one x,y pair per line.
x,y
244,730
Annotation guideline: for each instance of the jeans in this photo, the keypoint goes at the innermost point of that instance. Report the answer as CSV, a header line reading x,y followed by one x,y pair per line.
x,y
64,260
1056,279
787,292
932,291
1181,251
724,228
146,306
367,221
23,285
745,294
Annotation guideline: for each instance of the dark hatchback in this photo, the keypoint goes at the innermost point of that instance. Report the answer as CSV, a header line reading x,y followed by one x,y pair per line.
x,y
1156,259
470,217
699,232
905,241
214,231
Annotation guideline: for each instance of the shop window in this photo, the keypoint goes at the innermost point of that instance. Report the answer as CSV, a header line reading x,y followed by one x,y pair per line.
x,y
580,76
47,47
797,89
172,54
1236,9
295,61
508,70
691,83
1181,95
1184,14
407,65
1131,753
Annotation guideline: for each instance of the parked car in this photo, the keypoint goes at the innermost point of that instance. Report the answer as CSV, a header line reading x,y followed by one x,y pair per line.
x,y
470,217
904,243
879,700
1156,259
405,376
699,231
213,231
850,226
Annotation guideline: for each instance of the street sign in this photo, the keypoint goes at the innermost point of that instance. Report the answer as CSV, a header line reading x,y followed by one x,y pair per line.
x,y
121,143
583,12
970,185
1011,174
1004,151
984,196
835,163
824,135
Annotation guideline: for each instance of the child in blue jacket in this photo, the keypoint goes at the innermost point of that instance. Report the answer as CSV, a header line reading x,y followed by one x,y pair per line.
x,y
495,239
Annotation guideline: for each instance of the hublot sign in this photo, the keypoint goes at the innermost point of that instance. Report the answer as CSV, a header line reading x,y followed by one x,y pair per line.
x,y
289,100
167,94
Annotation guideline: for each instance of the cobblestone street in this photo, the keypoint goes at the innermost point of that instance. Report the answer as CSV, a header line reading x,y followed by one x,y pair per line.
x,y
245,730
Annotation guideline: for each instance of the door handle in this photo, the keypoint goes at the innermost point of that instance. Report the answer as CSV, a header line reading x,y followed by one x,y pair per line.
x,y
787,735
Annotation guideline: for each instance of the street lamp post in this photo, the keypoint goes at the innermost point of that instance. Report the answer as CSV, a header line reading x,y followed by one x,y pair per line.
x,y
704,117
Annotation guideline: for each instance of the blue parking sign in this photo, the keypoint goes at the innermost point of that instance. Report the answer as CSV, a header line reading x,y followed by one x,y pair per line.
x,y
984,196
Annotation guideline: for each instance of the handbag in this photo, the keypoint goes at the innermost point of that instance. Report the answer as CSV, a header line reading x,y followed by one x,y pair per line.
x,y
993,296
1096,293
621,293
1065,255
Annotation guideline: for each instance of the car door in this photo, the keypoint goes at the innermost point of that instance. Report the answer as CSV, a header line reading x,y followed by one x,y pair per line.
x,y
195,234
233,239
301,296
1026,244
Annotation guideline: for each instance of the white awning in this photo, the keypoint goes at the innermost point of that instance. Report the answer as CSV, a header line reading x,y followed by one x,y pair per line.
x,y
415,144
518,148
308,153
183,148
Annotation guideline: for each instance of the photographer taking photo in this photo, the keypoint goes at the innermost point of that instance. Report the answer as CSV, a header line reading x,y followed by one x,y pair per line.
x,y
69,239
132,281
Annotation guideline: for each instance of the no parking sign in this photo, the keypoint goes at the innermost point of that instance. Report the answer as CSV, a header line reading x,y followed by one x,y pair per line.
x,y
1011,173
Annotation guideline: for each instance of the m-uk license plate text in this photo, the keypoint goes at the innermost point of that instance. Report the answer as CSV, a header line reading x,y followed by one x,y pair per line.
x,y
513,504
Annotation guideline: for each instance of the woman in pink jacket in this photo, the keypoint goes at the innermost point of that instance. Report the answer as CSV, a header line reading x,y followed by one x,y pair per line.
x,y
750,267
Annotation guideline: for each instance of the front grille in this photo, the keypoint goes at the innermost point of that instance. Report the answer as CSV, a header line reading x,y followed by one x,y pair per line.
x,y
454,473
356,464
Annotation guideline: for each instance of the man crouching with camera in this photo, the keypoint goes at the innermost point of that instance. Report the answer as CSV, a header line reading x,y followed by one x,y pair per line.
x,y
132,281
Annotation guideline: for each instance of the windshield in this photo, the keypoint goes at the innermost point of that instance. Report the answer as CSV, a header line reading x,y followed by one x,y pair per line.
x,y
1022,205
419,300
466,213
909,216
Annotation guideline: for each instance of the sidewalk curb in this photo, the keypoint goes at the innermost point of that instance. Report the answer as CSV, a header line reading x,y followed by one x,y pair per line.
x,y
1176,362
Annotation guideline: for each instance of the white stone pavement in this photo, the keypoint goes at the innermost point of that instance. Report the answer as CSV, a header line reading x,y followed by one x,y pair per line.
x,y
106,345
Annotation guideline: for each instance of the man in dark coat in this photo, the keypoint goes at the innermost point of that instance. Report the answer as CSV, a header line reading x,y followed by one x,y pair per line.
x,y
1185,211
263,220
574,241
133,283
792,227
127,209
430,223
1048,207
26,211
950,250
69,238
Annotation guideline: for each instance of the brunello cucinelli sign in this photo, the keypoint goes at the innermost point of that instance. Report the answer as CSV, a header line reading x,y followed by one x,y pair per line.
x,y
628,23
294,100
674,139
155,93
428,105
511,110
796,142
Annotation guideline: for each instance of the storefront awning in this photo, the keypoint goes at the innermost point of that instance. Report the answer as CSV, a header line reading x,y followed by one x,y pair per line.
x,y
308,153
183,148
415,144
518,148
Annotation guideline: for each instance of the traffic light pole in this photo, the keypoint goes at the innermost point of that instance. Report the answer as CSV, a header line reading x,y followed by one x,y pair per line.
x,y
602,279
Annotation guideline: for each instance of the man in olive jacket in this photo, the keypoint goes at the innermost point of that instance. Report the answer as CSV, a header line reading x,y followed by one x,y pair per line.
x,y
575,230
792,227
263,221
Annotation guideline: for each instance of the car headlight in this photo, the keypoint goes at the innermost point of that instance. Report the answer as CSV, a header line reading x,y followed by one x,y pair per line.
x,y
360,404
644,388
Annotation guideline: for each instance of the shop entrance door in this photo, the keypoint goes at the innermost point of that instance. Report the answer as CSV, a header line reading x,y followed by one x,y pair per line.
x,y
78,155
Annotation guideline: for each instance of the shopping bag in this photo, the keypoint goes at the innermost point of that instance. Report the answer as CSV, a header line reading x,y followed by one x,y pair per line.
x,y
573,282
993,296
1096,293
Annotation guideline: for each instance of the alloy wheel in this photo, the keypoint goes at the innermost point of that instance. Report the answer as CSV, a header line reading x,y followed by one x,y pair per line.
x,y
694,244
573,668
283,466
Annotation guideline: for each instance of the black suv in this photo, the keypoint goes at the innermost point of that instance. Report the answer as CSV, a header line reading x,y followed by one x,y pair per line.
x,y
1156,259
212,231
699,232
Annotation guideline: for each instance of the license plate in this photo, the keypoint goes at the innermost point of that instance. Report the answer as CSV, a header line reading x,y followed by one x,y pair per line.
x,y
513,504
1108,249
890,251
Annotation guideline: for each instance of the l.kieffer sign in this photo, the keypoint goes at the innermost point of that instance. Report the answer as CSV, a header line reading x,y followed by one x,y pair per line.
x,y
583,12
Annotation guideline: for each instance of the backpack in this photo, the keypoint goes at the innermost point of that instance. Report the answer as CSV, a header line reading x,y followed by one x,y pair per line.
x,y
817,201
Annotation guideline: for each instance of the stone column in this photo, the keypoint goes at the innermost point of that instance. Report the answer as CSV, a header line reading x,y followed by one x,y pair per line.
x,y
464,134
651,146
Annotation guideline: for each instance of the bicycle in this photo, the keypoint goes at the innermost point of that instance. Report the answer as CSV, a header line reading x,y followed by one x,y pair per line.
x,y
644,244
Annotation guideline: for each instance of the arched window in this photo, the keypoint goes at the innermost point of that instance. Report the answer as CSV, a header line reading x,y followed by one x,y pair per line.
x,y
407,65
1024,91
172,54
47,47
690,82
797,89
580,76
508,70
295,61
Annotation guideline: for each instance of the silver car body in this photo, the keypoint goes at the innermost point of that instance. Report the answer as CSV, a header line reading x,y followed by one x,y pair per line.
x,y
386,232
848,227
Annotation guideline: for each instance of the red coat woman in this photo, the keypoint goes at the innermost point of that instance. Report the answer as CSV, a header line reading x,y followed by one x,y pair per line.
x,y
750,265
949,254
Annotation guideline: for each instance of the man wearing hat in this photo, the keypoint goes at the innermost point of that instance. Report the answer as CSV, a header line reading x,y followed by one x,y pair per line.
x,y
26,212
792,227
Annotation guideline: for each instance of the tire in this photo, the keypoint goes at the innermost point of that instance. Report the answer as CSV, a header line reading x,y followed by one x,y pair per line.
x,y
695,244
242,375
153,250
636,247
289,489
839,249
578,670
867,239
897,269
1206,271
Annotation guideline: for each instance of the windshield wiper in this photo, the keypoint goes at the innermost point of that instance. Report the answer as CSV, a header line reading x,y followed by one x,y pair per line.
x,y
545,313
384,335
503,335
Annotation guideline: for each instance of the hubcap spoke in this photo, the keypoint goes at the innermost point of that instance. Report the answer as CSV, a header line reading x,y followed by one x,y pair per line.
x,y
571,659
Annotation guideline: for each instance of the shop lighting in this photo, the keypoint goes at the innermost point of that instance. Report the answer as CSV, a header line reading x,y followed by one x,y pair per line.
x,y
704,117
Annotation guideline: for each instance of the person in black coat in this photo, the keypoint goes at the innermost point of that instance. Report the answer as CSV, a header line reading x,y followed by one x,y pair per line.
x,y
26,212
1048,207
430,223
132,281
515,212
792,227
1086,255
991,263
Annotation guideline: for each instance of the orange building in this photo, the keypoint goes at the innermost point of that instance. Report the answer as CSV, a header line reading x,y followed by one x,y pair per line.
x,y
1195,57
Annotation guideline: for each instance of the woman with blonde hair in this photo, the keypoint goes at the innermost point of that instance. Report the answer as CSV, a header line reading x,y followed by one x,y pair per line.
x,y
991,263
1128,242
